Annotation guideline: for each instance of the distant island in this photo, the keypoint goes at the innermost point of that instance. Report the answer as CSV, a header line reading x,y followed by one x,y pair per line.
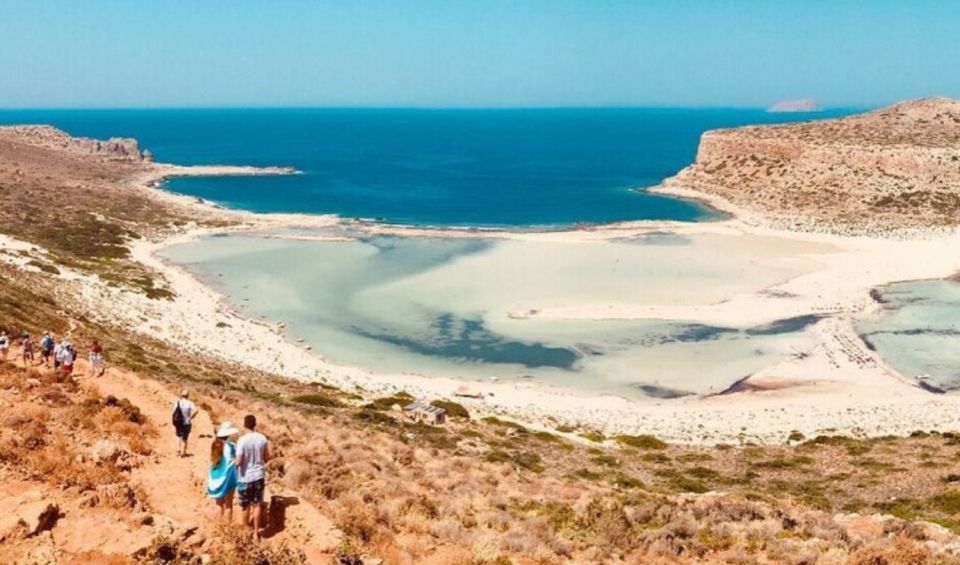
x,y
799,105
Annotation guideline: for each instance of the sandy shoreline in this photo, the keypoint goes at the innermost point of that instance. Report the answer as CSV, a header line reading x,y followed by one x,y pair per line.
x,y
839,387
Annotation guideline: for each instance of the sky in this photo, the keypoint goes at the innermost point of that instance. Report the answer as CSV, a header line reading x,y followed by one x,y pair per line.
x,y
487,53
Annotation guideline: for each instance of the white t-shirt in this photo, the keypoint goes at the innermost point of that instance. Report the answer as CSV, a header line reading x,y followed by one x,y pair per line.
x,y
252,447
186,408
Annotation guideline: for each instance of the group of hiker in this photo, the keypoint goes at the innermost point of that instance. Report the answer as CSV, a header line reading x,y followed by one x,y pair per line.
x,y
63,354
237,465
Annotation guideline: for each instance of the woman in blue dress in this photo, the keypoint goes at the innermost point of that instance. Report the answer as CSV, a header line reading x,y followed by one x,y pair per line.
x,y
222,481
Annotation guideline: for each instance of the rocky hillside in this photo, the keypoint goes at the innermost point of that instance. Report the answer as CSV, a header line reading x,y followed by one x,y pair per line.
x,y
890,168
119,148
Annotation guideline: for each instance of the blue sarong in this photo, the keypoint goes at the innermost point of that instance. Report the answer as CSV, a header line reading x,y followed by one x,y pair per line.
x,y
223,476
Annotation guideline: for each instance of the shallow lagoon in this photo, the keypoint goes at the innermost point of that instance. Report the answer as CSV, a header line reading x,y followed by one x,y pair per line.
x,y
918,330
442,307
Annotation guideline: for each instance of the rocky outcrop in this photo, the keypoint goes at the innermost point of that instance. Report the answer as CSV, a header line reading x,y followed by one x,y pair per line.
x,y
28,516
890,168
115,148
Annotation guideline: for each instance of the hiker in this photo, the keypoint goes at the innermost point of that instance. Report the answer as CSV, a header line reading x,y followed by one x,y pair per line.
x,y
96,359
222,479
253,453
57,355
67,356
27,345
4,345
183,413
46,348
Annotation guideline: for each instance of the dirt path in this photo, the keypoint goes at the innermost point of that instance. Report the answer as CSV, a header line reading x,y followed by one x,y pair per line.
x,y
174,486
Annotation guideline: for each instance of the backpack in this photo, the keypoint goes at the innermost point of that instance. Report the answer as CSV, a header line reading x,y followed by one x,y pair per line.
x,y
177,417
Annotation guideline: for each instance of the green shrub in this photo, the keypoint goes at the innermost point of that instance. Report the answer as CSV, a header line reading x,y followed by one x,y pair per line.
x,y
642,442
317,400
453,409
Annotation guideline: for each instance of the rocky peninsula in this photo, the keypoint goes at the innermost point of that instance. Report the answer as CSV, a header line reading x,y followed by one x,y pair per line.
x,y
897,167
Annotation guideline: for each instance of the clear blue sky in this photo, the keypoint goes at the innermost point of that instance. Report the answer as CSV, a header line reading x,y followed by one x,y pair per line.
x,y
125,53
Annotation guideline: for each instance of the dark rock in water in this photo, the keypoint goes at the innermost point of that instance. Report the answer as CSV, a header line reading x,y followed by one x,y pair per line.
x,y
786,325
930,388
655,391
877,297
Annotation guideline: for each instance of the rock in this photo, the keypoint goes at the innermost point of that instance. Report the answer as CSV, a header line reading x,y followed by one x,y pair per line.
x,y
143,519
188,530
89,500
104,451
29,517
196,541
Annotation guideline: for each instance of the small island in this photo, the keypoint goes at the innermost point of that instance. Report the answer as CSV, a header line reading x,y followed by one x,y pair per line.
x,y
799,105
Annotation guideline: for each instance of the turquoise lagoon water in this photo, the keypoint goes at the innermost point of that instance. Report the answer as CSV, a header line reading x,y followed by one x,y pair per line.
x,y
918,330
440,167
437,307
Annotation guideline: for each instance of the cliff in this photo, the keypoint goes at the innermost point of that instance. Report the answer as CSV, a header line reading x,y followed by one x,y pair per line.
x,y
890,168
115,148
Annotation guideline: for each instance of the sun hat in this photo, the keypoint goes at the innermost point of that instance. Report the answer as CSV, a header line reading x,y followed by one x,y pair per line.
x,y
226,430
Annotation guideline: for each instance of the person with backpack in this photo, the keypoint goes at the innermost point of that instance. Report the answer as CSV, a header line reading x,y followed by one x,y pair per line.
x,y
183,413
46,348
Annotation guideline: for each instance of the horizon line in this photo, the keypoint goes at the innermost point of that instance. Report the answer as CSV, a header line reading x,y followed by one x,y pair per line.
x,y
429,108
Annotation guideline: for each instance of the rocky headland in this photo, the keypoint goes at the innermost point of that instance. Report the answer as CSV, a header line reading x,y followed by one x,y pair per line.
x,y
119,148
897,167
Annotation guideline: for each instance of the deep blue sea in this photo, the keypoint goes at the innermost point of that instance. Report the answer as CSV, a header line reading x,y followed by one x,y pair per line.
x,y
438,167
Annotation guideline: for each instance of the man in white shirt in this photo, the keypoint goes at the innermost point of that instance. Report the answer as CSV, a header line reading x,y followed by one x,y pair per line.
x,y
253,453
187,410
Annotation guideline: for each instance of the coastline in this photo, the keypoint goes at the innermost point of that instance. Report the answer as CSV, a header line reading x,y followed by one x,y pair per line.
x,y
809,395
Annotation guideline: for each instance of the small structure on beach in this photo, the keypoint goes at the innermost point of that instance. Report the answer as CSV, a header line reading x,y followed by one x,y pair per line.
x,y
467,392
425,413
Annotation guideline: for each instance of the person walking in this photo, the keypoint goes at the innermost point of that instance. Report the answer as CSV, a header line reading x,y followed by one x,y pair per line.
x,y
67,356
183,413
4,345
222,478
253,453
46,348
27,345
96,359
